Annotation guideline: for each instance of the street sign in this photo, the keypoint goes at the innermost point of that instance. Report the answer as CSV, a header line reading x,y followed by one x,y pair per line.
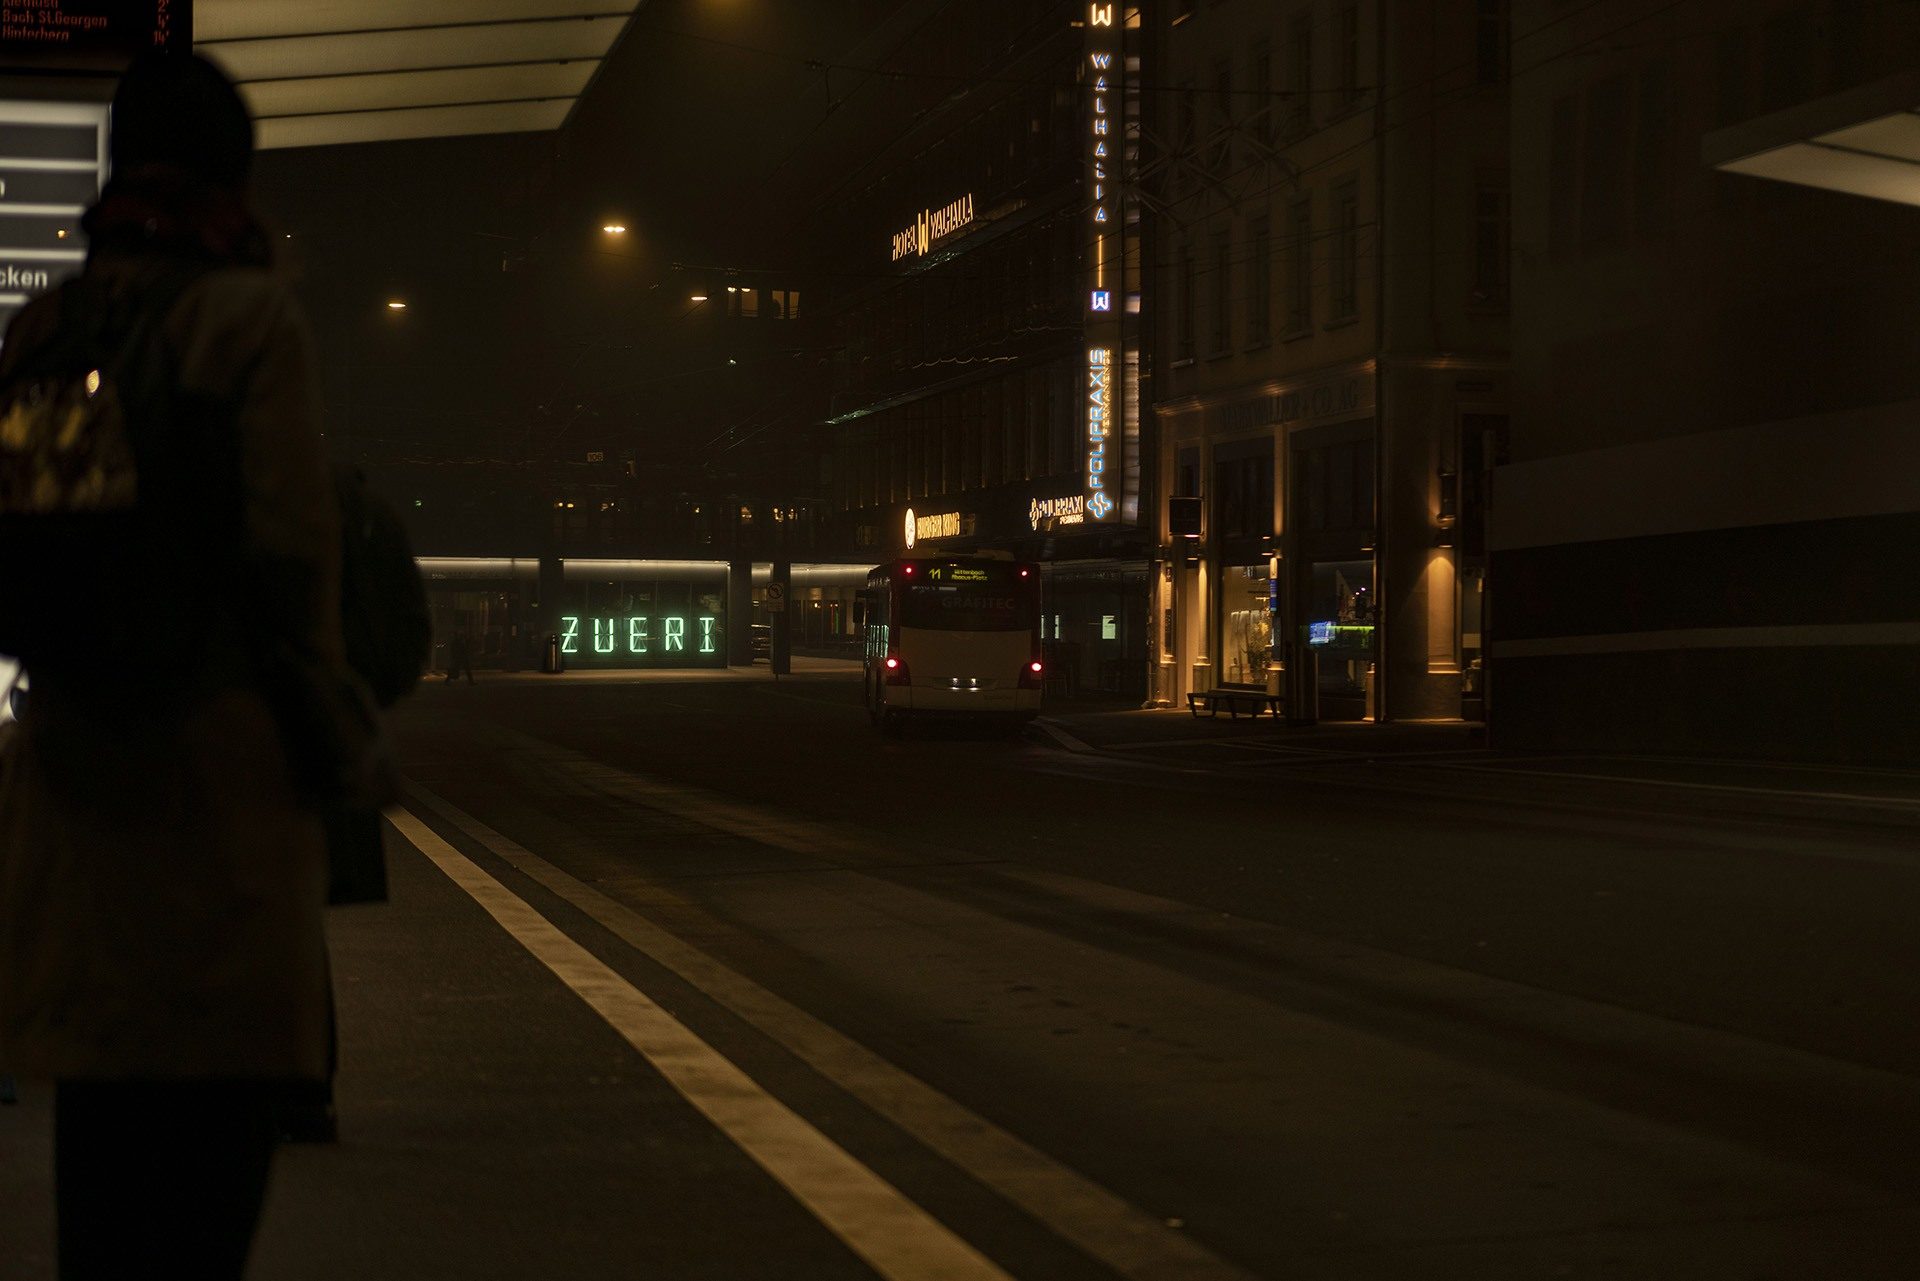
x,y
776,597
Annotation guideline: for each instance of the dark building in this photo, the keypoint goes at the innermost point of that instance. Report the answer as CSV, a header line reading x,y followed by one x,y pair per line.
x,y
1704,539
983,267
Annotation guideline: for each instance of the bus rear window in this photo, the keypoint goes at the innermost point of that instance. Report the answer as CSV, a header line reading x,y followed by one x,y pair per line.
x,y
971,608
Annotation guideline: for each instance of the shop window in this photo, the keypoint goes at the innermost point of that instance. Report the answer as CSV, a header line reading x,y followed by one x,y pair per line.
x,y
1246,624
1243,491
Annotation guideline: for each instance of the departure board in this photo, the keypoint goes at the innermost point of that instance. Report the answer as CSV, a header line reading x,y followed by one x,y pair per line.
x,y
89,35
53,159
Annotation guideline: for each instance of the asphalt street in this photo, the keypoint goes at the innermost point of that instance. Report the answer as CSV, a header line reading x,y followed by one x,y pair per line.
x,y
702,976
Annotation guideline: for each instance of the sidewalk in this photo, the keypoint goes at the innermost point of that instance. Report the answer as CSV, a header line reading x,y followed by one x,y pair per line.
x,y
1460,749
492,1126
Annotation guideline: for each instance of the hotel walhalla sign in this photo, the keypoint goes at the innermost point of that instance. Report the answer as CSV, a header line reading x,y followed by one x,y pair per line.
x,y
101,35
931,227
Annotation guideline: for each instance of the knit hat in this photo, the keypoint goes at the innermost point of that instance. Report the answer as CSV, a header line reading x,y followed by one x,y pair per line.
x,y
181,110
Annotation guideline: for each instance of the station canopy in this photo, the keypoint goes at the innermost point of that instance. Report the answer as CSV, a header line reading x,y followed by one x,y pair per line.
x,y
1865,140
323,72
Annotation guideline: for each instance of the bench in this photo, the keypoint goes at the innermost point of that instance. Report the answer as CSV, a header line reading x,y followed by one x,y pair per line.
x,y
1251,701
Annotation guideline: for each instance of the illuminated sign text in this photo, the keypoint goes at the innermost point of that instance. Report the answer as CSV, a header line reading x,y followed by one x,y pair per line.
x,y
1099,429
931,227
939,525
1068,509
660,638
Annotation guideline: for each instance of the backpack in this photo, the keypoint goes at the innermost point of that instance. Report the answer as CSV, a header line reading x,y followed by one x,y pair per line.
x,y
120,499
384,616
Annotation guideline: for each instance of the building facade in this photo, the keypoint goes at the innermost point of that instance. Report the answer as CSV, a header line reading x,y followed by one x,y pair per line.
x,y
1330,366
1704,534
987,322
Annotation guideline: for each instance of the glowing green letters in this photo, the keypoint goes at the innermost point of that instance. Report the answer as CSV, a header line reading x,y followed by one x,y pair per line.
x,y
649,638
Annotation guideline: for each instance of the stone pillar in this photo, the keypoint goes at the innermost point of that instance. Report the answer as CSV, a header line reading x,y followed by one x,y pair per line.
x,y
739,621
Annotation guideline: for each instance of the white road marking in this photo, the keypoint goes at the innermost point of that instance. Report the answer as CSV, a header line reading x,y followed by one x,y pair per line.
x,y
1061,736
1101,1224
897,1238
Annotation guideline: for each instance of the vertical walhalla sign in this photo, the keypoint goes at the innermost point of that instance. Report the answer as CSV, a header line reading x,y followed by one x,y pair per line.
x,y
1104,481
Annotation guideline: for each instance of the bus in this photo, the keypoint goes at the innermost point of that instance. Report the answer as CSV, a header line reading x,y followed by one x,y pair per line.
x,y
952,636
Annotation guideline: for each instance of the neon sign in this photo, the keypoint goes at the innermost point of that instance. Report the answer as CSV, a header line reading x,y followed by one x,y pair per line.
x,y
939,525
1105,479
1067,509
931,227
1099,429
647,638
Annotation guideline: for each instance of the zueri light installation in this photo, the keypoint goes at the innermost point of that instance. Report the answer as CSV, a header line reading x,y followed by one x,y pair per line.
x,y
639,635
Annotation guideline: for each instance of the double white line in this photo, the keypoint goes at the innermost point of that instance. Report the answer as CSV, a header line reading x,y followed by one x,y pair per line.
x,y
901,1241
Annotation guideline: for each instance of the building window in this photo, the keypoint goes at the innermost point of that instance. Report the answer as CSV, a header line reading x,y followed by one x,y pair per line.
x,y
1491,42
1603,176
1259,281
1731,78
1346,252
1653,150
1260,101
742,301
1300,267
1185,305
783,304
1786,59
1220,136
1300,73
1220,335
1346,56
1563,172
1491,232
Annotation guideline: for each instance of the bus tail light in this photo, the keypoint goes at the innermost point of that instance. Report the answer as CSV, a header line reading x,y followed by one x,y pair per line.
x,y
897,671
1030,675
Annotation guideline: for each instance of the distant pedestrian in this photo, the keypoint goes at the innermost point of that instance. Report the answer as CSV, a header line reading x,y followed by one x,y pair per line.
x,y
459,657
163,871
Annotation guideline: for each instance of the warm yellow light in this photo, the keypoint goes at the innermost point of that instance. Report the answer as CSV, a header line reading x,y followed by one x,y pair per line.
x,y
60,234
396,305
733,289
698,298
614,229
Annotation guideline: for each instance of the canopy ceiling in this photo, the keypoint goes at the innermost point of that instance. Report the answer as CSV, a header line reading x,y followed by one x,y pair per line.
x,y
323,72
1865,141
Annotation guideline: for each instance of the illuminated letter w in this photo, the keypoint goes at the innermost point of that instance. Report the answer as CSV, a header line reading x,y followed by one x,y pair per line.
x,y
1102,15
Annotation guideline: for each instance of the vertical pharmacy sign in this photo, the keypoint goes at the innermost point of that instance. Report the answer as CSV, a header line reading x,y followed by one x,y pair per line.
x,y
1105,477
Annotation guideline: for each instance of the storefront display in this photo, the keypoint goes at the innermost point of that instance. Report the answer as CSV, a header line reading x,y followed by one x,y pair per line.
x,y
1246,625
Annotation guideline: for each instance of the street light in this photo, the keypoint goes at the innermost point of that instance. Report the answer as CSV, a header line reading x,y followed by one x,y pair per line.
x,y
698,298
614,229
396,305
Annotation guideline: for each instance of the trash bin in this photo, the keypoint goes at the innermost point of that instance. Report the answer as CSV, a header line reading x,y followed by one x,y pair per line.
x,y
552,660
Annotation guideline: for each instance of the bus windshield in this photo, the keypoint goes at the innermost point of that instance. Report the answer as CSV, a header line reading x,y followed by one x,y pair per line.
x,y
969,599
